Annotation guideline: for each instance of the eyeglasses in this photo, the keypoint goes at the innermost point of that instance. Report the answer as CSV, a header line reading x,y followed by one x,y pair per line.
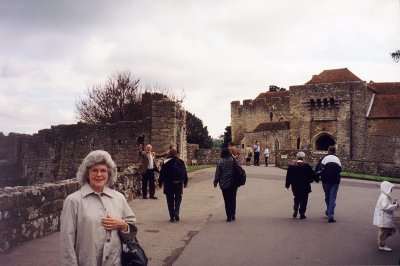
x,y
96,171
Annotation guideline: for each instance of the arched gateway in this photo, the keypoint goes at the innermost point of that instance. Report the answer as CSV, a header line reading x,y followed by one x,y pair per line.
x,y
323,141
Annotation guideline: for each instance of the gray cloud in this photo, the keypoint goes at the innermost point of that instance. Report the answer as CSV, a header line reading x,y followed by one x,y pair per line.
x,y
216,51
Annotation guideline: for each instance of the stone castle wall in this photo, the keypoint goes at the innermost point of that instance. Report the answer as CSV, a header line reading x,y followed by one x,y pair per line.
x,y
208,156
271,139
337,110
191,152
32,212
247,116
311,115
389,169
55,154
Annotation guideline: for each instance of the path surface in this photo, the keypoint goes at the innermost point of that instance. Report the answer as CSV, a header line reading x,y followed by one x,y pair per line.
x,y
263,234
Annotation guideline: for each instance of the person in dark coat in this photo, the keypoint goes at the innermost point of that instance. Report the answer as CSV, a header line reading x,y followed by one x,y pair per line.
x,y
299,176
224,176
173,176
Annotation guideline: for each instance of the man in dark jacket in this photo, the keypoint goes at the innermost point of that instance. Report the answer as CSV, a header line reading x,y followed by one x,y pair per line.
x,y
174,177
330,177
299,175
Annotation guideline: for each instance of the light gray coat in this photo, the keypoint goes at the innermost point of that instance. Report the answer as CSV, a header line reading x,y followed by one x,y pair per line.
x,y
84,241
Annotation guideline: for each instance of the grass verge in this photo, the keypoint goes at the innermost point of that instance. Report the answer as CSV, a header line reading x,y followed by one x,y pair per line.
x,y
369,177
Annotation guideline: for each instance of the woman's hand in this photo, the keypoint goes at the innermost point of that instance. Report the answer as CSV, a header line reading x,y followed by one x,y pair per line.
x,y
112,223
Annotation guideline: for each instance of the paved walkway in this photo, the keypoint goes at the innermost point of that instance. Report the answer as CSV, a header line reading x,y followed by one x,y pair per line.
x,y
264,233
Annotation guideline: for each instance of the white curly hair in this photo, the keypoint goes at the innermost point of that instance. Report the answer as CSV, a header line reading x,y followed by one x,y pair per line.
x,y
93,158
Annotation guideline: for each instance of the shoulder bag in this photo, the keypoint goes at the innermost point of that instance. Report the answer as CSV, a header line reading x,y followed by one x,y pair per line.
x,y
133,254
239,175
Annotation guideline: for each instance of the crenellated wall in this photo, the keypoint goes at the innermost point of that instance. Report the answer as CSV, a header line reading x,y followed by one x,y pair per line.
x,y
320,114
247,116
55,154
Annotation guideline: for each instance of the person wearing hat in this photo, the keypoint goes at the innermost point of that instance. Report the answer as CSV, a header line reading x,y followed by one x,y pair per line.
x,y
299,176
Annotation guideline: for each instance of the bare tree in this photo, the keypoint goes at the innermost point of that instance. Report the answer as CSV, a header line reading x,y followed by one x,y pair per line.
x,y
120,99
117,100
396,56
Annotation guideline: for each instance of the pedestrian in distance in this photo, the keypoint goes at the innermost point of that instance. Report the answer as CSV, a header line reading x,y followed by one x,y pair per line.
x,y
173,176
257,150
330,177
147,168
249,155
224,177
266,156
234,150
299,176
383,215
95,219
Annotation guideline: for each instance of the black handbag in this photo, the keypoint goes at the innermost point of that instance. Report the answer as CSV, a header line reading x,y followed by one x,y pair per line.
x,y
133,254
239,175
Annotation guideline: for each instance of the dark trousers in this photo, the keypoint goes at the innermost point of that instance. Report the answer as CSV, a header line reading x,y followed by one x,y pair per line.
x,y
230,201
300,203
148,178
174,199
256,158
266,161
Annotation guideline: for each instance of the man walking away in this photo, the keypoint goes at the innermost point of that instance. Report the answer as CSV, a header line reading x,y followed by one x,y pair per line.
x,y
330,177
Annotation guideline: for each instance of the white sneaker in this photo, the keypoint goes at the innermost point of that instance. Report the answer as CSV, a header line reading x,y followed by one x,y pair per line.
x,y
385,248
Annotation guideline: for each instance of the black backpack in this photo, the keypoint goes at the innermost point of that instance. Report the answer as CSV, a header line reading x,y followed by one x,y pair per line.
x,y
178,171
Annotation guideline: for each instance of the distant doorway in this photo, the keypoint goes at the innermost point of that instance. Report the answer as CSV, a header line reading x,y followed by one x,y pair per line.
x,y
323,142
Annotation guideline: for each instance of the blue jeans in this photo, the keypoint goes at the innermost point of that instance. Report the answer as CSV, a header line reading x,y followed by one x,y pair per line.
x,y
330,198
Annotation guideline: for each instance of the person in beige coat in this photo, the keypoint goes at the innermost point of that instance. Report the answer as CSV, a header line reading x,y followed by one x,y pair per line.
x,y
95,218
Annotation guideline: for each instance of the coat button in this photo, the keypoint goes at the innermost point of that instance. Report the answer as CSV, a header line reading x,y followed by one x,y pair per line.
x,y
108,240
106,257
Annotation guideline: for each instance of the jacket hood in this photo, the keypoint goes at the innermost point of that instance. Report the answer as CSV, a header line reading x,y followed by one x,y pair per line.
x,y
386,187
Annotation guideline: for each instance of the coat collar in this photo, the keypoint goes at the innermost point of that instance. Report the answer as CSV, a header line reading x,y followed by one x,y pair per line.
x,y
87,189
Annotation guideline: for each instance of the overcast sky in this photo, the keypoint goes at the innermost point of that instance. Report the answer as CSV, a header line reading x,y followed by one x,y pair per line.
x,y
214,52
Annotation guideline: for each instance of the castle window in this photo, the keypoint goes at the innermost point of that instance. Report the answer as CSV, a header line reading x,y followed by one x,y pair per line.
x,y
271,115
323,142
332,102
298,143
319,103
312,103
325,102
276,144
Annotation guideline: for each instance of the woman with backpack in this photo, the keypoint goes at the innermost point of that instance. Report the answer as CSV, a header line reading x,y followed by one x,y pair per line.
x,y
224,175
173,176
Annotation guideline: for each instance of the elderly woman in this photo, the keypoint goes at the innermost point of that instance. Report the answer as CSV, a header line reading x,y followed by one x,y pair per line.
x,y
224,176
95,218
174,177
299,176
